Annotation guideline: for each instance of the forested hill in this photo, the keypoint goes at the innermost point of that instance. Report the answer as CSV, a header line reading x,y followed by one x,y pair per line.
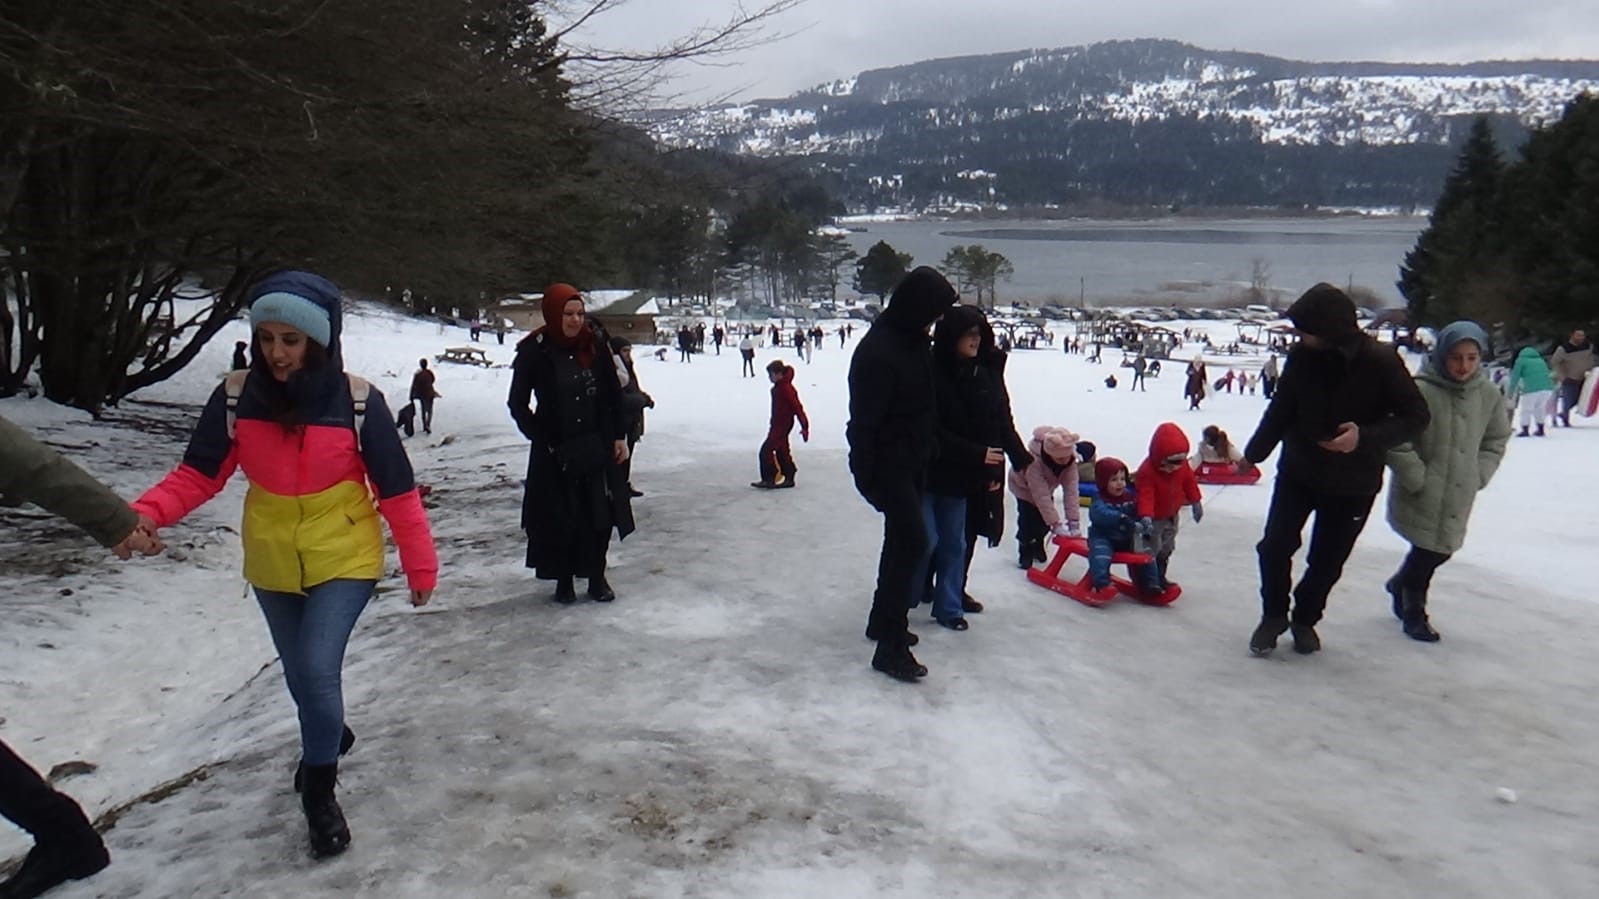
x,y
1143,122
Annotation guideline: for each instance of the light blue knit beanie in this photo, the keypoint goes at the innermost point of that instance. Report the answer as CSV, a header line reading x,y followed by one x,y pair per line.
x,y
295,311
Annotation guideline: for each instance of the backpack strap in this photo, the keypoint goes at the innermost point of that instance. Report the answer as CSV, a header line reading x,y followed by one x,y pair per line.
x,y
233,388
360,389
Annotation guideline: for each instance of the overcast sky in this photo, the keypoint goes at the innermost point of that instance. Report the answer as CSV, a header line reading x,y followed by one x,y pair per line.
x,y
831,39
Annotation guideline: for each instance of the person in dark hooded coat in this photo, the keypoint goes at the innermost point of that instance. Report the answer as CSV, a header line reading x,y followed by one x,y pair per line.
x,y
1344,400
974,406
893,420
567,399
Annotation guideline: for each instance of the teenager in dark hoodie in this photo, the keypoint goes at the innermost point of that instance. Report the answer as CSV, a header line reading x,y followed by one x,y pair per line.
x,y
1342,403
776,456
893,418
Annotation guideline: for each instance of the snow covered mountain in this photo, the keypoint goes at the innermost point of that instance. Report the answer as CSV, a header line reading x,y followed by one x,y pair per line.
x,y
1069,112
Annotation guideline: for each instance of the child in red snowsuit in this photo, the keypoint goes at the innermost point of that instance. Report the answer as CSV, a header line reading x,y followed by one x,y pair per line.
x,y
1165,484
775,453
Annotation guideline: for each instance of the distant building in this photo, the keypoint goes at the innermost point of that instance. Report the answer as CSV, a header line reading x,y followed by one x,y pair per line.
x,y
624,313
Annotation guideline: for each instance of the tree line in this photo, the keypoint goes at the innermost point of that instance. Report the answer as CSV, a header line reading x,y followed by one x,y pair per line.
x,y
1515,243
157,156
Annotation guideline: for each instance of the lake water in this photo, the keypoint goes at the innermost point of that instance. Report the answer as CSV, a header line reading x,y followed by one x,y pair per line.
x,y
1168,261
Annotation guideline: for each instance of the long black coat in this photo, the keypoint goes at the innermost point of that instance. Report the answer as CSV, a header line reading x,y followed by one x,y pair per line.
x,y
893,412
568,519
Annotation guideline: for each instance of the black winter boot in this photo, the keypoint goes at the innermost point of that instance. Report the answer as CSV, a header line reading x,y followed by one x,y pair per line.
x,y
1538,432
1414,616
1029,552
565,593
1393,590
330,835
600,589
346,740
1305,639
1264,639
54,861
895,660
1523,432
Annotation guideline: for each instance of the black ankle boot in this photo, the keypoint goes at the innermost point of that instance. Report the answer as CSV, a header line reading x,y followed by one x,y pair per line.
x,y
565,593
1414,616
1399,602
330,835
346,740
600,590
895,660
55,861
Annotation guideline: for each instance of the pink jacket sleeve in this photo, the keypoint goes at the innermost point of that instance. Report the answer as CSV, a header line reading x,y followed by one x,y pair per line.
x,y
408,522
182,491
1068,483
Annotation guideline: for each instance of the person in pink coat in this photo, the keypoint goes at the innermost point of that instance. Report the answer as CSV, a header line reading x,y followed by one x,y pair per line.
x,y
1054,468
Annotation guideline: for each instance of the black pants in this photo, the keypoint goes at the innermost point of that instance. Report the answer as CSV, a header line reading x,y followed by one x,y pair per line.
x,y
1416,572
1339,521
903,561
427,414
749,363
27,801
1030,526
1138,381
776,456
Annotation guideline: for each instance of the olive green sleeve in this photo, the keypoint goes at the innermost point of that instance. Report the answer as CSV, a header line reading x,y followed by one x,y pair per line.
x,y
34,473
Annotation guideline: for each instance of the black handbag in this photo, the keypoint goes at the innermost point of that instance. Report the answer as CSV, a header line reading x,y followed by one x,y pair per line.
x,y
584,454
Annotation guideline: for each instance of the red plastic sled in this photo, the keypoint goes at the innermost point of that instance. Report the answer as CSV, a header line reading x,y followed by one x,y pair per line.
x,y
1223,473
1049,577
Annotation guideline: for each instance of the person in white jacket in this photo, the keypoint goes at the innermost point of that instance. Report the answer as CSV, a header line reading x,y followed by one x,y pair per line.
x,y
1054,468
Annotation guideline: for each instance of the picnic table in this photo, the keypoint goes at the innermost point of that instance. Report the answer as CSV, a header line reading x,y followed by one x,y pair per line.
x,y
465,355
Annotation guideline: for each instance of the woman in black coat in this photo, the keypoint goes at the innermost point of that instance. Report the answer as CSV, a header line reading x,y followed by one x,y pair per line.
x,y
974,390
566,399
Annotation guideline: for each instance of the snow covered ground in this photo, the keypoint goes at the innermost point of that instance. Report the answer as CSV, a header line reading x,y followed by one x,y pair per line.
x,y
717,731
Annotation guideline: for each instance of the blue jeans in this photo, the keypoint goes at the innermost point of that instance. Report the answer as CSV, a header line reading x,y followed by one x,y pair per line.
x,y
946,531
310,633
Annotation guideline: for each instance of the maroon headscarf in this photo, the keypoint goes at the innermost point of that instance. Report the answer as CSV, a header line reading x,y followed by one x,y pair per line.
x,y
556,296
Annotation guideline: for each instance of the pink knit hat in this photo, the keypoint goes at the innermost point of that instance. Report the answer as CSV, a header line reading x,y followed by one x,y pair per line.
x,y
1059,443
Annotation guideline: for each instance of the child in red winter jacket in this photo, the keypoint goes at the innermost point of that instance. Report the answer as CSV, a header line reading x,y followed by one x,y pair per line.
x,y
1165,484
776,457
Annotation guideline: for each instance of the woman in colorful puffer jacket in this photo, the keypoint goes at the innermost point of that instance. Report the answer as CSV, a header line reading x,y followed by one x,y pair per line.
x,y
313,548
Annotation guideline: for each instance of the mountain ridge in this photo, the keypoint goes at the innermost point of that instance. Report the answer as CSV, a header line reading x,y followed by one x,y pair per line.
x,y
1095,120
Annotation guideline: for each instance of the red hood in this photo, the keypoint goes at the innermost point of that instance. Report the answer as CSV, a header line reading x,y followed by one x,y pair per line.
x,y
1104,470
1169,440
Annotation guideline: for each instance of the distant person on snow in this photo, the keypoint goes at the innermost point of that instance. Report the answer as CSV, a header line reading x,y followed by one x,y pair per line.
x,y
1438,474
66,846
746,349
1343,402
241,360
423,392
776,456
1531,379
1054,467
1112,523
634,402
893,416
1140,365
324,461
1571,362
1165,485
1194,387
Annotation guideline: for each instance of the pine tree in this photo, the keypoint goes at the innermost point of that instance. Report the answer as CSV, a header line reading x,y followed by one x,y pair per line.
x,y
1459,238
881,269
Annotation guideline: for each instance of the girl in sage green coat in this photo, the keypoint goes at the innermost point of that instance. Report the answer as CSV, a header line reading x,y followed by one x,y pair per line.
x,y
1437,476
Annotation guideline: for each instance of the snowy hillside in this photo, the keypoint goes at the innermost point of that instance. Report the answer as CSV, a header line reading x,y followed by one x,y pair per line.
x,y
717,731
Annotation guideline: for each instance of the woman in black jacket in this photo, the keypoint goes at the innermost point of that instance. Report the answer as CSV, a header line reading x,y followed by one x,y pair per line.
x,y
974,404
576,492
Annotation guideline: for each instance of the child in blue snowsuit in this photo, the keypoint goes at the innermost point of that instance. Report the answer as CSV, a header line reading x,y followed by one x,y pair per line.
x,y
1112,522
